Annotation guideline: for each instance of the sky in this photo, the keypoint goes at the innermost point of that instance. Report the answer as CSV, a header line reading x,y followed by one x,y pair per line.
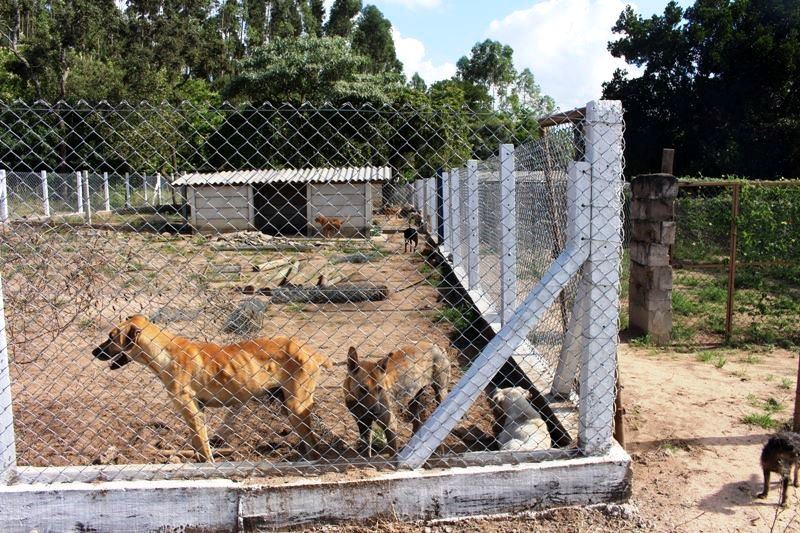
x,y
563,42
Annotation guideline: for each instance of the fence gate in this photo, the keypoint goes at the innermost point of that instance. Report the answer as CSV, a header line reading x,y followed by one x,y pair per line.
x,y
446,295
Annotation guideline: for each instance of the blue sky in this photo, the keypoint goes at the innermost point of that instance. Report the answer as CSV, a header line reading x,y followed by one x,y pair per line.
x,y
563,42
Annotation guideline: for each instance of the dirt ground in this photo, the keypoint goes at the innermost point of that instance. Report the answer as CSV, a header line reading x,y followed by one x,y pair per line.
x,y
695,462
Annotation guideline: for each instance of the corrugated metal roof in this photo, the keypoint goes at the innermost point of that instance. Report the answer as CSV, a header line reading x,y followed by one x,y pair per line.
x,y
305,175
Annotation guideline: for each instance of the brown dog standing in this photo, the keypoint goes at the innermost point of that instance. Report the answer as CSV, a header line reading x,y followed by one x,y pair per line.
x,y
330,225
375,390
781,454
200,374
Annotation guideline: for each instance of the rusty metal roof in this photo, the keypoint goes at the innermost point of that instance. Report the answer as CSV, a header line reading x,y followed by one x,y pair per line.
x,y
305,175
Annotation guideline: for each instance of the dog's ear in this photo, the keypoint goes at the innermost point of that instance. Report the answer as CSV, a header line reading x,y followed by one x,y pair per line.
x,y
383,363
352,360
131,336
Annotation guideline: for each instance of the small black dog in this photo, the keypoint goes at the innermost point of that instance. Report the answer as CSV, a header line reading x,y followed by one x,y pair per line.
x,y
411,236
780,454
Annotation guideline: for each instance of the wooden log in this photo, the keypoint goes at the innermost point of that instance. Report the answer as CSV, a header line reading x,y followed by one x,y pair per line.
x,y
271,265
341,293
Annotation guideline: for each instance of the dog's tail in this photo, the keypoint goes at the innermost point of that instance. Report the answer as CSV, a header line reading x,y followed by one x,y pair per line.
x,y
305,353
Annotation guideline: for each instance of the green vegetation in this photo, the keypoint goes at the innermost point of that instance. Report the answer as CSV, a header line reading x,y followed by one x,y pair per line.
x,y
459,317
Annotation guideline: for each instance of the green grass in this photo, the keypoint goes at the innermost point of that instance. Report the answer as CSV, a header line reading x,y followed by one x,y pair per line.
x,y
459,317
786,384
762,420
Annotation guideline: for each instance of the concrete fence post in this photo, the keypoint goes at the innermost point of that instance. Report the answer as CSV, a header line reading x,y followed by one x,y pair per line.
x,y
127,189
79,188
106,194
87,199
8,452
653,218
45,193
508,233
3,197
473,248
157,200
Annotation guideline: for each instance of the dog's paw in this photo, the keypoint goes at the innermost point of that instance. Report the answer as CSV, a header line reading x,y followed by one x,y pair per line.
x,y
761,495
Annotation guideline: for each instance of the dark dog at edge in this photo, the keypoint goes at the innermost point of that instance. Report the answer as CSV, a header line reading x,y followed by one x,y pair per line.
x,y
372,388
411,239
204,374
781,454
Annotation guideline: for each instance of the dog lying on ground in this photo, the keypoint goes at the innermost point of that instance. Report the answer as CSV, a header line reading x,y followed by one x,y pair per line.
x,y
203,374
411,239
373,389
781,454
330,226
517,424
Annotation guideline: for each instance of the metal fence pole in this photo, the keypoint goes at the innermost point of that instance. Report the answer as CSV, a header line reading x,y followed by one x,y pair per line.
x,y
45,194
8,450
508,233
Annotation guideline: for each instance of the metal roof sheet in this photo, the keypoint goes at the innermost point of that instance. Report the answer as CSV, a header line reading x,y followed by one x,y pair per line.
x,y
305,175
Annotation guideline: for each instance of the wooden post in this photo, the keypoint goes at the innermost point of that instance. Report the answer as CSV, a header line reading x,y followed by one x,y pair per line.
x,y
127,189
667,160
796,422
508,237
732,261
473,241
79,187
87,198
619,414
455,216
599,360
3,197
45,193
8,451
106,195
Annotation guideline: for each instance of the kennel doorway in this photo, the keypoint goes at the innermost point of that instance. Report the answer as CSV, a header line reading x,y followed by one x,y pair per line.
x,y
280,208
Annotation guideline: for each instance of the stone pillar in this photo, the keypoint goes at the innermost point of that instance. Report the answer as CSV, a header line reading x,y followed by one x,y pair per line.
x,y
653,218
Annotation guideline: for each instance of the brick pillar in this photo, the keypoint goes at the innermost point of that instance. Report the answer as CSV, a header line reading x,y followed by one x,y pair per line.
x,y
653,217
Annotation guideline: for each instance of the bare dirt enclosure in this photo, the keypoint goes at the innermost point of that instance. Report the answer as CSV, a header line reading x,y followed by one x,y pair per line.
x,y
71,409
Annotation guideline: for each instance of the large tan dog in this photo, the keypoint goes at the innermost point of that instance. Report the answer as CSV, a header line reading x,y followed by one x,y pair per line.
x,y
200,374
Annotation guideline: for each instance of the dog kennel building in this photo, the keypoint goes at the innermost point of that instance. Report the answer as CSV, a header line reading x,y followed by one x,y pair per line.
x,y
284,202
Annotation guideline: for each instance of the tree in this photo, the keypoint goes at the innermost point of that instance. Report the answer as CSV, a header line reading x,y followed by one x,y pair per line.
x,y
307,69
491,65
372,38
527,98
317,12
340,22
417,83
708,91
284,20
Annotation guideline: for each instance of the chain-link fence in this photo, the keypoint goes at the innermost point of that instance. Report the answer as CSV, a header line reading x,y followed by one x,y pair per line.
x,y
265,313
735,262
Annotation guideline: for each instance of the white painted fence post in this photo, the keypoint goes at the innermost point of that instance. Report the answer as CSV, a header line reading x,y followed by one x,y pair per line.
x,y
127,189
79,187
3,197
508,233
144,181
433,221
603,130
455,217
446,220
473,240
8,450
578,200
87,199
45,193
157,199
106,195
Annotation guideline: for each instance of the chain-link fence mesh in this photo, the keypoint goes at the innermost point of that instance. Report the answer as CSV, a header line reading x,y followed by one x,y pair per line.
x,y
746,233
234,285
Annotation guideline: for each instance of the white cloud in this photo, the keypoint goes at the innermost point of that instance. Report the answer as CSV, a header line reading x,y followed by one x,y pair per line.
x,y
412,53
564,43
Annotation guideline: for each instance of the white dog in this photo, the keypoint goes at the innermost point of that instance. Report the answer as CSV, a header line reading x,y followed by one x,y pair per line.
x,y
522,427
